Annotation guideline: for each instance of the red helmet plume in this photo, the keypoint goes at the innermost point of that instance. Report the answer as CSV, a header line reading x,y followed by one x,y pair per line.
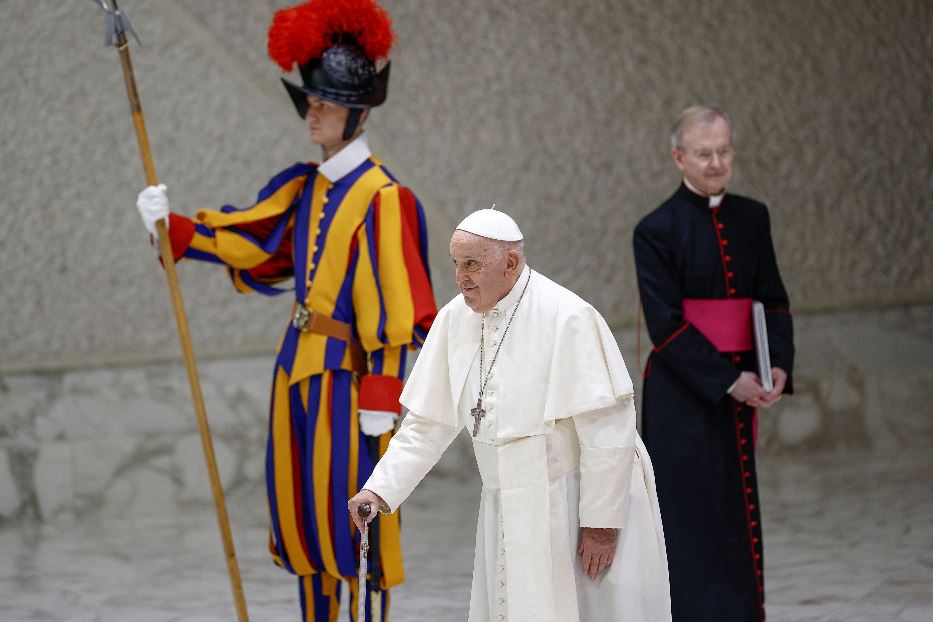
x,y
303,32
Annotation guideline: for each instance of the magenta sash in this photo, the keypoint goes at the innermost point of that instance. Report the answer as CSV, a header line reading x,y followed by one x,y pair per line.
x,y
726,322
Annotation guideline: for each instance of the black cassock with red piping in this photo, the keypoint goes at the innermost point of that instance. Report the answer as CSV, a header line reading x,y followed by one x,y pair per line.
x,y
700,440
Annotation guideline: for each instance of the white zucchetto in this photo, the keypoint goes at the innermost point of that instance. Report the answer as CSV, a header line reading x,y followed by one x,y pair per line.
x,y
492,224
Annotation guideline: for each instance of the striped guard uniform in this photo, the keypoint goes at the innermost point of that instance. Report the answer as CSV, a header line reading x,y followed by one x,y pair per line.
x,y
355,242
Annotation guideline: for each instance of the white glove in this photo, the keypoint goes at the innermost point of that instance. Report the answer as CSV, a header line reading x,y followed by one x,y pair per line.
x,y
377,422
152,204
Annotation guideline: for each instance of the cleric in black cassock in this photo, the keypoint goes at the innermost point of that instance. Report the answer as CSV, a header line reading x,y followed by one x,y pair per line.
x,y
700,403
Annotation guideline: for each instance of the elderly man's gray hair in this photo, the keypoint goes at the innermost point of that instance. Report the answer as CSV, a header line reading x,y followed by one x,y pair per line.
x,y
697,114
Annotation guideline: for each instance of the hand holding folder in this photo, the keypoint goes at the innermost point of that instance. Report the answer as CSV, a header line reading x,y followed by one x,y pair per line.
x,y
738,325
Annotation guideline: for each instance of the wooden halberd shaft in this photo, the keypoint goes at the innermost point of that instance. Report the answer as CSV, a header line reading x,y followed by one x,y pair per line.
x,y
184,335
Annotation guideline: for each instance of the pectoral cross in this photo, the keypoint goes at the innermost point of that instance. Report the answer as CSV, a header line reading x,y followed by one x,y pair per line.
x,y
477,413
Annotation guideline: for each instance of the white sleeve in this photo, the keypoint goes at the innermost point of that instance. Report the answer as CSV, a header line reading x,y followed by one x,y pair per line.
x,y
607,455
412,452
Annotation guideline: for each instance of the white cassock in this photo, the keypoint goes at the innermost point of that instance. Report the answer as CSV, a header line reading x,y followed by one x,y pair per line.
x,y
557,450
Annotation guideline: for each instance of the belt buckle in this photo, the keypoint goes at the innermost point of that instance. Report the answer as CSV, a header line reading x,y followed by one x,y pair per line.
x,y
302,318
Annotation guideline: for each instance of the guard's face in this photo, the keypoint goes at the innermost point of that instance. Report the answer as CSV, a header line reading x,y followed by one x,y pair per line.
x,y
326,121
706,156
482,270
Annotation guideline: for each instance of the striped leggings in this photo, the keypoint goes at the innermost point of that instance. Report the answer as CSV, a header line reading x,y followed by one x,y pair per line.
x,y
317,459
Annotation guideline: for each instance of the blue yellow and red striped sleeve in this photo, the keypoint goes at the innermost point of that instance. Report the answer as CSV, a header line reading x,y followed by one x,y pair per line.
x,y
255,243
392,293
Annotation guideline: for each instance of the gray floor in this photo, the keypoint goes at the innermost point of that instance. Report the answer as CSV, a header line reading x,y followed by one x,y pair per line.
x,y
849,537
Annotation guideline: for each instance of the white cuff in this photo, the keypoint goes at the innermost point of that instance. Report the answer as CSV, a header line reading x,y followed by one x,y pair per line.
x,y
376,422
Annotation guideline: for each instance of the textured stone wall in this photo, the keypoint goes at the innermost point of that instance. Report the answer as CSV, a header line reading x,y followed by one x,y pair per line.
x,y
122,442
557,111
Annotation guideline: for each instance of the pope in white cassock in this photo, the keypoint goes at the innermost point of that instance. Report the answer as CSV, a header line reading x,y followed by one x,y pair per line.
x,y
569,527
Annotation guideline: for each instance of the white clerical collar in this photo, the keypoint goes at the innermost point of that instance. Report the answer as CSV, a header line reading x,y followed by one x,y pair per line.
x,y
714,199
346,160
512,297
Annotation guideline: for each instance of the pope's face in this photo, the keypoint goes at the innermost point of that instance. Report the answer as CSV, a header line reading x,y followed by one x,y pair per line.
x,y
485,272
326,121
706,155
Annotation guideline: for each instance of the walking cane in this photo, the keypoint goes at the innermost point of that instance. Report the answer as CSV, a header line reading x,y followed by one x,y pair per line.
x,y
361,592
117,25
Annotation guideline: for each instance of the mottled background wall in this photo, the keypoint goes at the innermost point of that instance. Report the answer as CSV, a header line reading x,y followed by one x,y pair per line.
x,y
557,111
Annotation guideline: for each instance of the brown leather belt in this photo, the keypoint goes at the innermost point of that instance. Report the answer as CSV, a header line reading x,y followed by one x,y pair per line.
x,y
307,321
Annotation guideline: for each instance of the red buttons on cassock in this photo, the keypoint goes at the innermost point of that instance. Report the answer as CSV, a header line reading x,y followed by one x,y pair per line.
x,y
732,290
730,274
720,225
724,241
728,257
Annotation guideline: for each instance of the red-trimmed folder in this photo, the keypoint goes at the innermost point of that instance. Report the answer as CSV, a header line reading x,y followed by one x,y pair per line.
x,y
761,345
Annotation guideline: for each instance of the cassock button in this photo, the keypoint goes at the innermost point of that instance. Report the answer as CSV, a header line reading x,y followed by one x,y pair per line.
x,y
495,313
724,241
730,274
720,225
728,257
732,290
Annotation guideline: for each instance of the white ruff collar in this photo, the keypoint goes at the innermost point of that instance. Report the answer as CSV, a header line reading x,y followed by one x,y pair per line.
x,y
346,160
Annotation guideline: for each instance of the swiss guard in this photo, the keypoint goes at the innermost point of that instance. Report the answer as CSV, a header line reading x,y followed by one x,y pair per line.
x,y
355,242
